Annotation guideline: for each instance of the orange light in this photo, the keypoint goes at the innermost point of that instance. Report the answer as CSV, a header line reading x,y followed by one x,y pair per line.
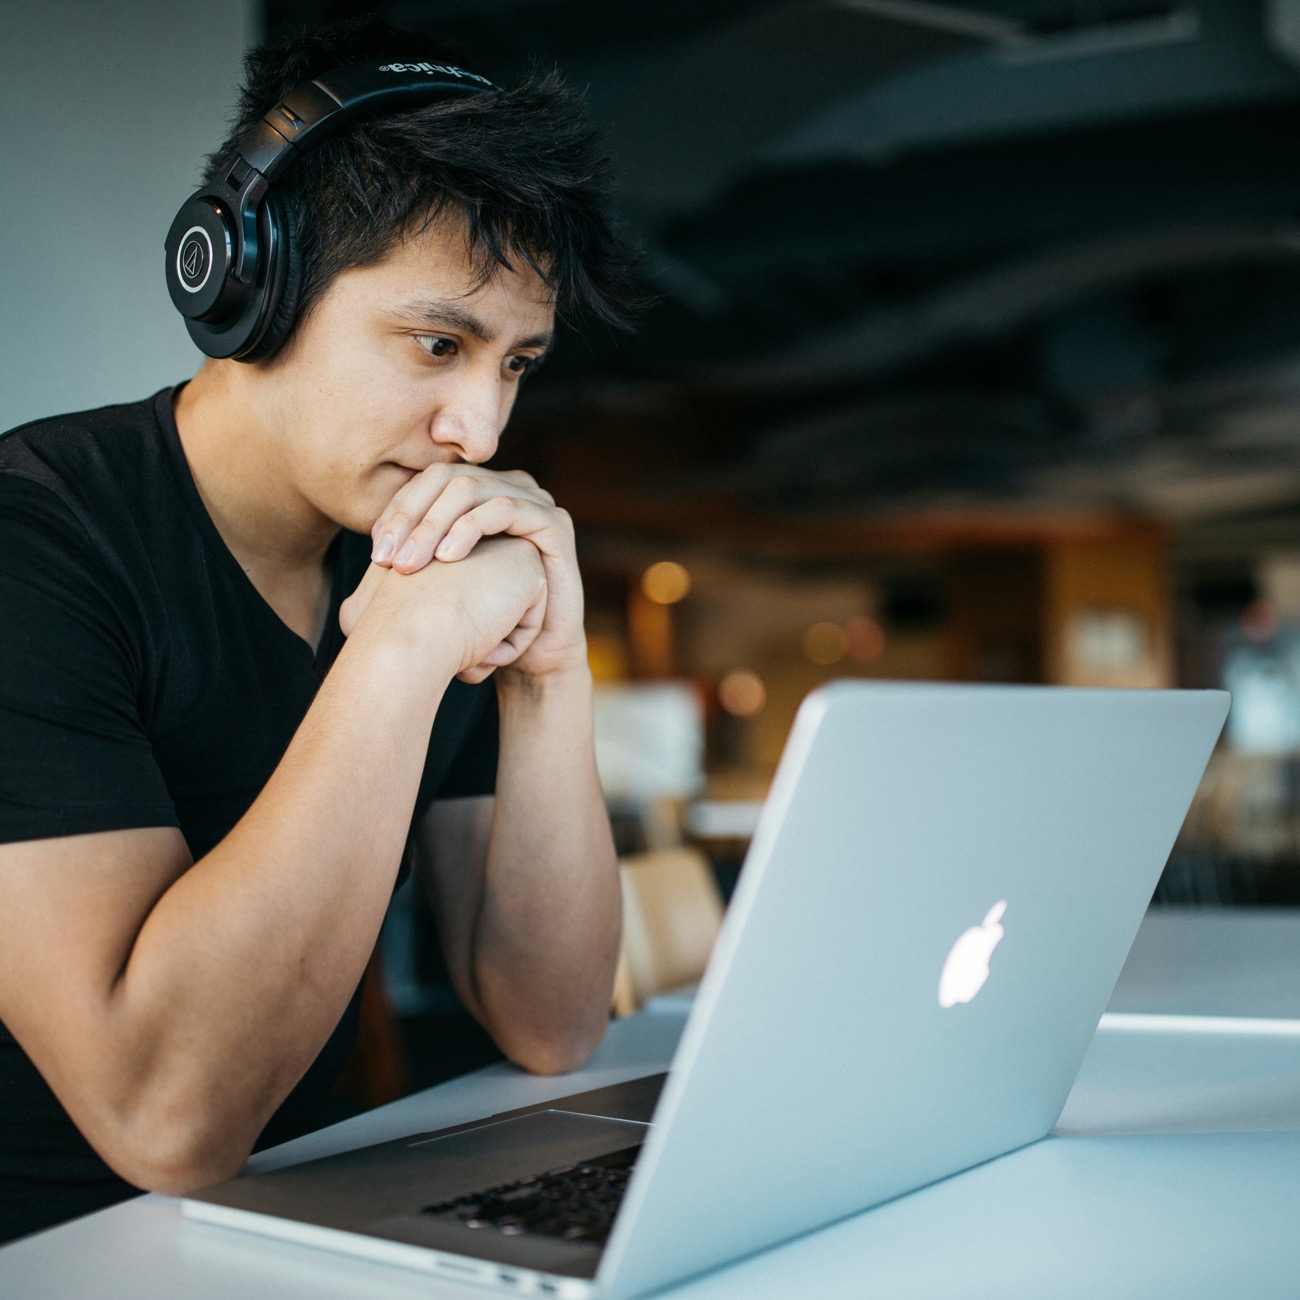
x,y
742,693
666,582
825,643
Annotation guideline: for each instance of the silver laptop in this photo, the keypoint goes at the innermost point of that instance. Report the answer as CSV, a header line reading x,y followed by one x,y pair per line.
x,y
942,889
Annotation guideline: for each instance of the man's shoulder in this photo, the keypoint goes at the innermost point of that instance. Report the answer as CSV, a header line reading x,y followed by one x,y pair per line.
x,y
76,434
82,456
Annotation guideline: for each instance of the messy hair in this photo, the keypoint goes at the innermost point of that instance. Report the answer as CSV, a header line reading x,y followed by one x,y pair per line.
x,y
521,164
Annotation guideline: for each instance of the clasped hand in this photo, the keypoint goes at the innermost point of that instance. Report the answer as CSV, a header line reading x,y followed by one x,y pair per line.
x,y
442,514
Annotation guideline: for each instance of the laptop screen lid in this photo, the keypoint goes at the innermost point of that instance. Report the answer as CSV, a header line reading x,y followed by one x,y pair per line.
x,y
915,836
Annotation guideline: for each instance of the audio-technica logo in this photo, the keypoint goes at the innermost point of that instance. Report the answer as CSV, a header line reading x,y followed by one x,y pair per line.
x,y
435,70
194,259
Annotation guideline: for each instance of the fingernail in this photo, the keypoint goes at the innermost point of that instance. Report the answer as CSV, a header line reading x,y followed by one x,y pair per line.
x,y
444,548
406,554
383,551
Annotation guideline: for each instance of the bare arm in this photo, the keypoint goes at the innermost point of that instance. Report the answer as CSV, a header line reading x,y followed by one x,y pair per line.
x,y
172,1010
531,927
525,886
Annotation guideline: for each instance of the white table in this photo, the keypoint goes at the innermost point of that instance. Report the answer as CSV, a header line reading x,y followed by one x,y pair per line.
x,y
1176,1171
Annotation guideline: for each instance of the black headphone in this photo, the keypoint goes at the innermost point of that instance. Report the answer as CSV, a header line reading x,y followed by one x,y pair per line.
x,y
231,265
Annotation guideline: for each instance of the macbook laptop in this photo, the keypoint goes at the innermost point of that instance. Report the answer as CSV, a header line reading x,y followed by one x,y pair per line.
x,y
937,902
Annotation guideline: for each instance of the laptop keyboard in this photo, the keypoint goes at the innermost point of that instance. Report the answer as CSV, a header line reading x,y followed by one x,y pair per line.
x,y
576,1203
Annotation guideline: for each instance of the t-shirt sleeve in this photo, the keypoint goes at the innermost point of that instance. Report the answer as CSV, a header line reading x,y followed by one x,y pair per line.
x,y
74,754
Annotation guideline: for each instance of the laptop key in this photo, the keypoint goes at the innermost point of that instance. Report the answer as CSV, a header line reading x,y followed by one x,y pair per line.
x,y
574,1203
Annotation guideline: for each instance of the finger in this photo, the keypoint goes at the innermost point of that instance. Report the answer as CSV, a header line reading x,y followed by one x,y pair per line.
x,y
461,495
412,503
520,638
408,506
501,655
523,636
526,480
544,526
506,652
416,540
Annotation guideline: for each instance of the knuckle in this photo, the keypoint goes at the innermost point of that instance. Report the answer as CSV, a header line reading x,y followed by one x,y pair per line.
x,y
535,489
434,475
464,486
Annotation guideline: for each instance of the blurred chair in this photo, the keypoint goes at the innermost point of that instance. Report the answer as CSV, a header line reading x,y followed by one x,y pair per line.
x,y
672,912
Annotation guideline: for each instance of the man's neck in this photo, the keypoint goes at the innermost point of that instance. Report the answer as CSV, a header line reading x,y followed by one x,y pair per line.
x,y
237,455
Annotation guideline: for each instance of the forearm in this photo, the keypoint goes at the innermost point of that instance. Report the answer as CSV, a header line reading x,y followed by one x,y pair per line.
x,y
244,966
545,942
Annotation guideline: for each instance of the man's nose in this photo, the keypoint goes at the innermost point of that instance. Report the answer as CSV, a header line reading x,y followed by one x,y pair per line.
x,y
469,422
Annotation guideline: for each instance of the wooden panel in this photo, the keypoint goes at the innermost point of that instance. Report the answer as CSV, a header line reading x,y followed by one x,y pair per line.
x,y
1107,612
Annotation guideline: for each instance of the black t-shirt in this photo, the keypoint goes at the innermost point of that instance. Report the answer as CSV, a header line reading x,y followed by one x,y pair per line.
x,y
145,682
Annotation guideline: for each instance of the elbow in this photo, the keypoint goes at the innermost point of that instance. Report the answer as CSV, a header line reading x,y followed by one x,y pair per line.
x,y
174,1158
543,1035
179,1177
554,1053
545,1059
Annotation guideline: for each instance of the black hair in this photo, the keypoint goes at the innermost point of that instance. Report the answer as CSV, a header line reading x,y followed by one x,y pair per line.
x,y
521,164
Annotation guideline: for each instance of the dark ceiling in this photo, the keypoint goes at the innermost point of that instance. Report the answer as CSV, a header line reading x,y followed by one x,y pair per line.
x,y
909,253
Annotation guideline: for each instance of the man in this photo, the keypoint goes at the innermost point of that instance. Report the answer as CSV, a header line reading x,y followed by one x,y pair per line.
x,y
221,718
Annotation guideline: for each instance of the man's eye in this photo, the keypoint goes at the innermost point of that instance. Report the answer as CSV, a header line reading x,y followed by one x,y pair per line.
x,y
522,365
435,346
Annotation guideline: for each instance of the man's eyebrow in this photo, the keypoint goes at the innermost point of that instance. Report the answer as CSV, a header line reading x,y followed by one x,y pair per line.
x,y
438,313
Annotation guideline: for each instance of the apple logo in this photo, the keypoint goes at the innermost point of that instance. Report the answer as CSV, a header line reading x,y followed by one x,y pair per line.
x,y
967,966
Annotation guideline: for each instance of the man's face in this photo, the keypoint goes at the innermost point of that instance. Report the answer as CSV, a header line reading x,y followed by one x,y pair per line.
x,y
399,366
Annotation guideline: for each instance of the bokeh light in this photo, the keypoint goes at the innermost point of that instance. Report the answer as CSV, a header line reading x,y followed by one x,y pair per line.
x,y
742,693
666,582
865,638
825,643
1259,621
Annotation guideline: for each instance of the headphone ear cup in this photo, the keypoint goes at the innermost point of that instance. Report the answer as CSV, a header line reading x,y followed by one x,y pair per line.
x,y
283,281
199,253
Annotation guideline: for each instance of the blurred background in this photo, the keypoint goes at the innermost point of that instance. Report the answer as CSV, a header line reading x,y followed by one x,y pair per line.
x,y
975,357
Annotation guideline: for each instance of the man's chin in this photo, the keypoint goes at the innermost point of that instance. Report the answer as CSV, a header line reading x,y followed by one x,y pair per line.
x,y
356,521
359,513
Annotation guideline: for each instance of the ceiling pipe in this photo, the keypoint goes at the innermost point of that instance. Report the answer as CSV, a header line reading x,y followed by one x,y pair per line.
x,y
993,302
1091,39
1282,28
942,18
1032,43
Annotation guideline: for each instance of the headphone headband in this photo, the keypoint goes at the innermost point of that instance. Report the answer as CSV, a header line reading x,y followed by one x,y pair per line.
x,y
229,264
313,110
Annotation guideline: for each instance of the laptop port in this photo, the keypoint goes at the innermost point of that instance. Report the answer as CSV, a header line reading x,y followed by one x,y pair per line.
x,y
464,1270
